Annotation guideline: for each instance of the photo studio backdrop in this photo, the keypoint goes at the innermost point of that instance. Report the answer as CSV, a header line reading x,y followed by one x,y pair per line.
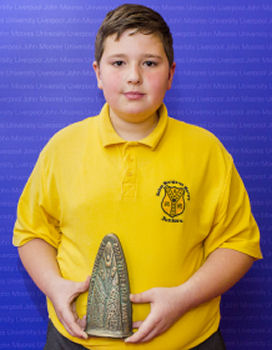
x,y
223,82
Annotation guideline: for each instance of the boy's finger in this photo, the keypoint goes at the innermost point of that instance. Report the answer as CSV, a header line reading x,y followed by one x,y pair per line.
x,y
145,328
137,324
144,297
72,327
76,331
155,332
82,322
83,286
87,282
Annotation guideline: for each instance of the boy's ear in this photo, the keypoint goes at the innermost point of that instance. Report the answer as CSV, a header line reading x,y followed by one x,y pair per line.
x,y
171,75
97,73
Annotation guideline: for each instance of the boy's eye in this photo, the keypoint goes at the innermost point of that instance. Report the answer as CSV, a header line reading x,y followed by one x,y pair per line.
x,y
118,63
150,63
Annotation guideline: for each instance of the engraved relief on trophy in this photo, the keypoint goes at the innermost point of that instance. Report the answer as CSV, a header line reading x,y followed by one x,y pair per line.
x,y
109,307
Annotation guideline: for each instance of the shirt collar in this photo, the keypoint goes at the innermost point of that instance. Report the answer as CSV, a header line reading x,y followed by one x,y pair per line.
x,y
110,137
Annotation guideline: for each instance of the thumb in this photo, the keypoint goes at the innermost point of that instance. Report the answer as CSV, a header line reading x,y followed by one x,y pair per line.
x,y
141,298
84,286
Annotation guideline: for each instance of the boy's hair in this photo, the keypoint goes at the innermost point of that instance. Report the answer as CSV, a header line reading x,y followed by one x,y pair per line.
x,y
138,17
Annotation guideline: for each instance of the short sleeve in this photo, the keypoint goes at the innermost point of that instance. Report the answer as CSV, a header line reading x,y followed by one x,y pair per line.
x,y
37,211
234,226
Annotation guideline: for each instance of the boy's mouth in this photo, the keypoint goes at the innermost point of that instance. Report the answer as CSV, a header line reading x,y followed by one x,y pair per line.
x,y
134,95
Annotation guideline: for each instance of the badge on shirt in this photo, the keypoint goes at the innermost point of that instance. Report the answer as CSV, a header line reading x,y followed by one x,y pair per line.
x,y
174,200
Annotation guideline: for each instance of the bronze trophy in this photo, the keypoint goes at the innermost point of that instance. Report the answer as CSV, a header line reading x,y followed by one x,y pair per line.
x,y
109,311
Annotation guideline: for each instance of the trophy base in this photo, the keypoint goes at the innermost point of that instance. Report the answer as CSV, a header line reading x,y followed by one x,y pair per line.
x,y
107,334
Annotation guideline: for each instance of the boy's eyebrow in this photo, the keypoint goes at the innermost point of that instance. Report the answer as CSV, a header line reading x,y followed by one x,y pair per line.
x,y
122,55
150,55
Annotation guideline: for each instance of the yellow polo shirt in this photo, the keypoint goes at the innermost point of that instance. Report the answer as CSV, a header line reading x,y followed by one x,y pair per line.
x,y
172,198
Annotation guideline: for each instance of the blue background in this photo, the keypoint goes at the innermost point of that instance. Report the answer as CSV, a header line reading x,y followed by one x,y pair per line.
x,y
222,82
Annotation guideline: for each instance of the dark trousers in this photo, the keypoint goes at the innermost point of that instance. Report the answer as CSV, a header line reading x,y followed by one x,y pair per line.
x,y
56,341
214,342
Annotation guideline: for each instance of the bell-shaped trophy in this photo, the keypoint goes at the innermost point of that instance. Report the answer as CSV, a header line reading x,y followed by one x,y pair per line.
x,y
109,311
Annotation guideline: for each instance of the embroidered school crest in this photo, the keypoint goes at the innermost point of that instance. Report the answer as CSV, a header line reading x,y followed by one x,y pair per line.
x,y
173,202
174,199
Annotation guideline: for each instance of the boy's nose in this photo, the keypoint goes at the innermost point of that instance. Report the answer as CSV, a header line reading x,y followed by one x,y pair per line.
x,y
134,75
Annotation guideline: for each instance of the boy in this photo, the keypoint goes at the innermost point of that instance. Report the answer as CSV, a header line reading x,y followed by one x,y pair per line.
x,y
169,191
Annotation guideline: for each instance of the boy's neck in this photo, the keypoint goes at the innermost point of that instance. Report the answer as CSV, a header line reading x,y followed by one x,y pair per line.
x,y
134,131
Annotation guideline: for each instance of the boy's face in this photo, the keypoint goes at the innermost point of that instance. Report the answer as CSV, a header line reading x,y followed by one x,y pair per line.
x,y
134,75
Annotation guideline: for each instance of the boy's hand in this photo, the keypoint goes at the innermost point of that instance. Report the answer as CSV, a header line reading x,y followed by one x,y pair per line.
x,y
40,260
63,300
208,282
166,309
